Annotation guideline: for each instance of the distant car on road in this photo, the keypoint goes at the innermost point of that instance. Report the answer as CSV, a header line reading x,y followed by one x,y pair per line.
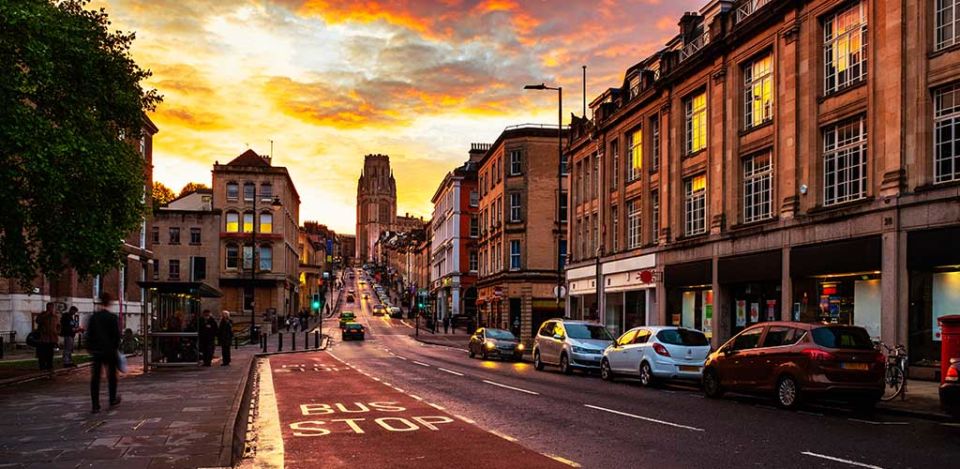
x,y
352,330
489,342
379,310
347,317
656,352
570,345
350,299
395,312
366,297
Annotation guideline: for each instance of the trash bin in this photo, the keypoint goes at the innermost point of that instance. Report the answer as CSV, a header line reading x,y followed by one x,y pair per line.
x,y
949,342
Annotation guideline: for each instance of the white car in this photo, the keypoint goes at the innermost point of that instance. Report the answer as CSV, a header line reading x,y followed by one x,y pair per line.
x,y
656,352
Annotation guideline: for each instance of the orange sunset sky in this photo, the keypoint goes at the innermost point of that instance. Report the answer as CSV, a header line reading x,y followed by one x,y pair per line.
x,y
330,81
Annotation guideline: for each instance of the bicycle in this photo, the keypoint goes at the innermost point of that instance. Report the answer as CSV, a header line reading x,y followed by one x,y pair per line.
x,y
131,344
894,377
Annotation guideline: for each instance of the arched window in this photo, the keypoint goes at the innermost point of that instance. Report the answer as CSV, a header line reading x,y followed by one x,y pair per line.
x,y
233,256
233,191
248,222
233,222
266,222
249,191
266,257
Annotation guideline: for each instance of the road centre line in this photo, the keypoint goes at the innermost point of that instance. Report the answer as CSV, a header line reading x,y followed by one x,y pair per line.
x,y
648,419
504,436
435,406
398,389
835,459
471,422
415,397
421,364
562,460
511,387
402,358
450,371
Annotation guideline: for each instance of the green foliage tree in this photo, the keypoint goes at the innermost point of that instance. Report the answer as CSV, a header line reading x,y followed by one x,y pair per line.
x,y
192,187
161,195
71,110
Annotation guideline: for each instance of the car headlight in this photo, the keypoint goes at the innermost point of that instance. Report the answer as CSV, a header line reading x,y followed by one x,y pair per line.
x,y
520,347
489,345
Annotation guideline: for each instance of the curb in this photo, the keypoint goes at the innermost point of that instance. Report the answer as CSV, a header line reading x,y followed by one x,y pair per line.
x,y
935,416
232,442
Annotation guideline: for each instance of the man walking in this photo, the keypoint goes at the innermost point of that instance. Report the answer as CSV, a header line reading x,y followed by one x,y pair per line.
x,y
103,342
208,333
68,330
48,328
225,335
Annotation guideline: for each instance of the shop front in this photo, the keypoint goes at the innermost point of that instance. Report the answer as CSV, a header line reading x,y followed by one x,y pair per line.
x,y
629,289
689,289
838,283
933,259
582,291
752,284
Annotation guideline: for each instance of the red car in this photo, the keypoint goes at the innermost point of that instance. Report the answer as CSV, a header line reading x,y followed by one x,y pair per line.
x,y
795,361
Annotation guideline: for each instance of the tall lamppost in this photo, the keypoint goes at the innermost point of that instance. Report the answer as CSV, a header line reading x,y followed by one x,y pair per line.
x,y
559,90
254,249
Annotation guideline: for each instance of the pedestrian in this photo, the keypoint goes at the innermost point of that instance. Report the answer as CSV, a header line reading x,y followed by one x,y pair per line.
x,y
103,343
225,335
446,324
48,330
68,330
207,334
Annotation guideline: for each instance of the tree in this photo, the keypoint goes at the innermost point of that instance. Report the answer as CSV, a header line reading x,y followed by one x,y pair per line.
x,y
161,195
192,187
71,110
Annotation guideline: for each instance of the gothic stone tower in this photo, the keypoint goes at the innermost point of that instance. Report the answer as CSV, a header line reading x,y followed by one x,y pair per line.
x,y
376,203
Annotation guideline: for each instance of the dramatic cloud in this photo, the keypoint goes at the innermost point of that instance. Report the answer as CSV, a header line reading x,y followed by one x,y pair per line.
x,y
329,81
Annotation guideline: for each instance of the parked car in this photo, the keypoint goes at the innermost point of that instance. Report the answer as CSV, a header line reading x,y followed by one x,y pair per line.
x,y
795,361
489,342
347,317
395,312
656,352
950,389
570,345
379,310
352,330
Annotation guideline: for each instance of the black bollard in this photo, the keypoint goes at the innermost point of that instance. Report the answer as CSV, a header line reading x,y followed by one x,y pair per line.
x,y
316,340
263,342
293,341
1,346
236,342
306,340
280,342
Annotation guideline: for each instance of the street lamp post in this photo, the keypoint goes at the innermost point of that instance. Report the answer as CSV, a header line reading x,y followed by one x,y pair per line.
x,y
559,90
253,255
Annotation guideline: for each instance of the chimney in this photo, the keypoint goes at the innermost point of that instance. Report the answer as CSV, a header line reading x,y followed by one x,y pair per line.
x,y
477,150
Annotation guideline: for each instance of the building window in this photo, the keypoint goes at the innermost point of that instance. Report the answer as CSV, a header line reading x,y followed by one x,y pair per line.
x,y
249,191
758,91
514,206
757,187
515,162
474,226
844,47
247,257
266,192
474,199
266,222
233,256
695,111
635,149
174,235
948,24
655,130
156,234
634,227
564,163
514,254
615,157
156,269
474,262
233,222
563,206
233,191
695,205
655,216
615,223
562,254
173,271
845,161
266,257
198,269
248,222
946,134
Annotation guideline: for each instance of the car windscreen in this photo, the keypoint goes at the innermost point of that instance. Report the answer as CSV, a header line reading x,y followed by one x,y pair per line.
x,y
587,332
500,334
347,316
843,337
354,325
682,337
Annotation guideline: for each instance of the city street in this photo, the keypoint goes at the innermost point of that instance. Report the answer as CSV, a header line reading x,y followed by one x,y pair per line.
x,y
578,419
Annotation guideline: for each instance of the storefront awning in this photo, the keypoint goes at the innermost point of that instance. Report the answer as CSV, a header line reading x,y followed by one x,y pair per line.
x,y
189,288
853,255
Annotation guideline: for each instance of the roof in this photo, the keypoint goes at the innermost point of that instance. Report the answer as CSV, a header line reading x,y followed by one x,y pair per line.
x,y
249,158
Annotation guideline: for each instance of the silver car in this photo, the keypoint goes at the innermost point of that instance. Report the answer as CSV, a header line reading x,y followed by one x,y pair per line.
x,y
570,345
657,352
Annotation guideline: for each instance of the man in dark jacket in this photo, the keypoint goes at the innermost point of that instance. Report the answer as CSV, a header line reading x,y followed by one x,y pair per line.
x,y
48,327
208,333
68,328
225,336
103,342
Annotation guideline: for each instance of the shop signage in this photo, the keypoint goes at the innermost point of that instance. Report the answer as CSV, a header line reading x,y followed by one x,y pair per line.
x,y
498,291
771,310
741,313
754,312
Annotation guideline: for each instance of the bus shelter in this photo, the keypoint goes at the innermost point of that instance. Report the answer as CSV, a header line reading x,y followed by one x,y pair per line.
x,y
172,332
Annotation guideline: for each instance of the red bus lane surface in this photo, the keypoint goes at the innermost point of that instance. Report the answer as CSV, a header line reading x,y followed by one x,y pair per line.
x,y
333,416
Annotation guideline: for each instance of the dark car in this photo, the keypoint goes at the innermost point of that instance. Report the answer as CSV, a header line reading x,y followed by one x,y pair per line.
x,y
795,361
347,317
488,342
950,389
349,298
352,330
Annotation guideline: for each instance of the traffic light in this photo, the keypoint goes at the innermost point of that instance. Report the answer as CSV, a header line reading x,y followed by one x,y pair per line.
x,y
316,302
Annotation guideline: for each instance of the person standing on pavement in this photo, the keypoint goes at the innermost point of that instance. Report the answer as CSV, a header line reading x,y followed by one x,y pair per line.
x,y
446,324
48,329
225,336
68,330
207,334
103,343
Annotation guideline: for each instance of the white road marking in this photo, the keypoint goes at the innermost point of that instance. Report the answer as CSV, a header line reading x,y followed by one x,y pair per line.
x,y
421,364
948,424
471,422
873,422
435,406
845,461
449,371
562,460
415,397
504,436
511,387
375,378
402,358
398,389
648,419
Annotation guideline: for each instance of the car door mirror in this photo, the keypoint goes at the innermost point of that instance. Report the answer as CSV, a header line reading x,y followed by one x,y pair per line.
x,y
558,336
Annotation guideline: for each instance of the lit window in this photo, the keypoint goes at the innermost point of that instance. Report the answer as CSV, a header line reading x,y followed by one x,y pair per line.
x,y
634,227
635,147
695,205
758,91
266,223
695,109
233,222
946,134
248,222
757,187
844,47
947,23
845,161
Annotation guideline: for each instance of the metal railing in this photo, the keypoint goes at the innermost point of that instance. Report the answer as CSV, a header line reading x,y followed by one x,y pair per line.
x,y
694,46
533,126
748,7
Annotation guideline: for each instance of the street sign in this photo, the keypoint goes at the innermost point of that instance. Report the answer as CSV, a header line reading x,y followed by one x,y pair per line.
x,y
559,292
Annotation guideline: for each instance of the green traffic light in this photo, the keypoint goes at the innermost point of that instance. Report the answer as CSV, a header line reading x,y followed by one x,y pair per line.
x,y
316,305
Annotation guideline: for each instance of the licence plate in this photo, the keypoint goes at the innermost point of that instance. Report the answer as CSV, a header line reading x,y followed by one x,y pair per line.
x,y
855,366
689,368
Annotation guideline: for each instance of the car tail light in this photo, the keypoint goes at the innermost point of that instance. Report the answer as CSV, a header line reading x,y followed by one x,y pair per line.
x,y
661,350
819,355
952,375
880,359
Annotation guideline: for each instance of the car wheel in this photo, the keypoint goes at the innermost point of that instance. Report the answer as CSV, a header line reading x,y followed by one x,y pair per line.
x,y
483,354
565,365
646,375
711,384
788,392
472,353
605,372
537,364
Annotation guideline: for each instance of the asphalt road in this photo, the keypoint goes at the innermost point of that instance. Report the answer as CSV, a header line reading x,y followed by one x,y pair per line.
x,y
593,423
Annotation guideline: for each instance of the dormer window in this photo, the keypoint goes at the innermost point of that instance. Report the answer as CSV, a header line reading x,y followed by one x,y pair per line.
x,y
634,86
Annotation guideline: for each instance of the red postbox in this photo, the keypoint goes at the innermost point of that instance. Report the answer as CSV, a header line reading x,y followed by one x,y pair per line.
x,y
949,341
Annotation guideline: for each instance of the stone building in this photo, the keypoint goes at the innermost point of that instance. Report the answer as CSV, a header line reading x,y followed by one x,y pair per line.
x,y
259,253
777,160
522,186
376,204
